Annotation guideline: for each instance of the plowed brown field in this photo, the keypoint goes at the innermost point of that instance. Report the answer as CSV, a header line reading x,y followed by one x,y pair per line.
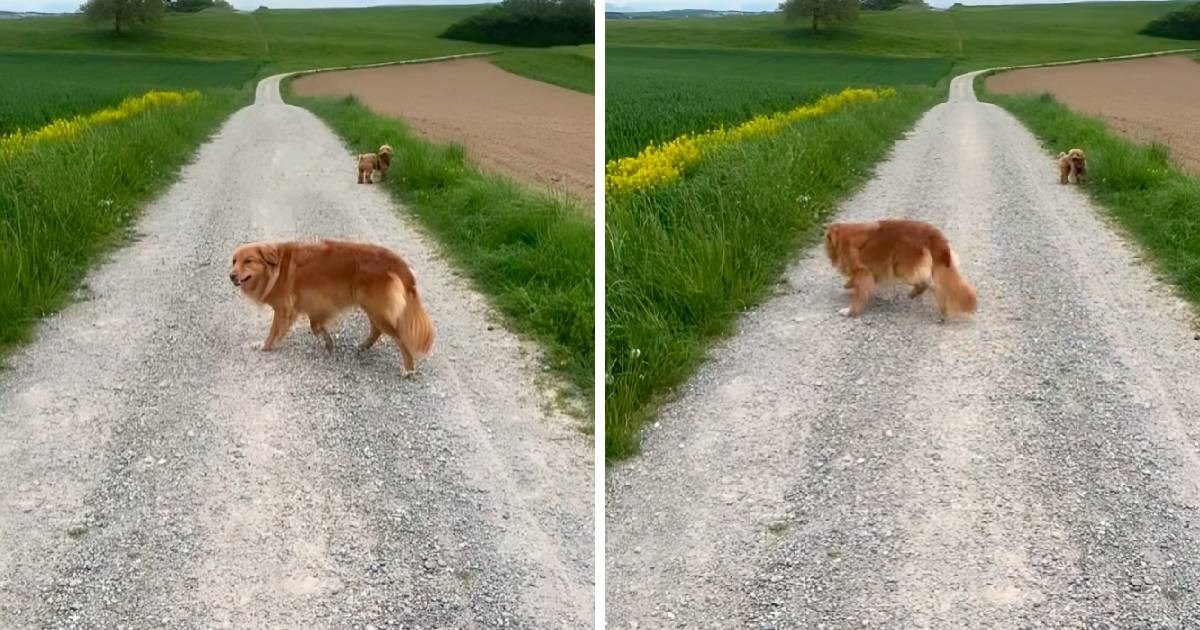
x,y
533,132
1149,99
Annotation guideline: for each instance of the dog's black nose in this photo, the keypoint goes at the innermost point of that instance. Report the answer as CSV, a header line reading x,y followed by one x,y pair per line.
x,y
233,278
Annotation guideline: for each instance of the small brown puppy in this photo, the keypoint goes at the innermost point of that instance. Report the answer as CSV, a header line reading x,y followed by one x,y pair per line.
x,y
916,253
1072,162
368,163
323,279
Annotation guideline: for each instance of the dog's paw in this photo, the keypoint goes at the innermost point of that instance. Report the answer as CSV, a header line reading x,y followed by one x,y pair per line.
x,y
845,312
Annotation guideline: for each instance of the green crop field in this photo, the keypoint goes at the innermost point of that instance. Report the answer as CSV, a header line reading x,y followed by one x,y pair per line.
x,y
972,37
655,94
279,39
44,86
572,67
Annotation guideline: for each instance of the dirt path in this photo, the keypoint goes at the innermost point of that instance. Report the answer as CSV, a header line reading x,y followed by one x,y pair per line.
x,y
1147,99
533,132
157,470
1037,467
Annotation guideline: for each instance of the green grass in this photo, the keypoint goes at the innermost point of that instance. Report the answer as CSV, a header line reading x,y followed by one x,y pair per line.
x,y
279,39
685,260
572,67
44,86
531,252
1151,198
972,37
655,94
52,227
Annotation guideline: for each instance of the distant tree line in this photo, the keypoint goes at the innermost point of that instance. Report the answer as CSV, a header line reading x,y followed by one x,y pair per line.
x,y
530,23
1181,24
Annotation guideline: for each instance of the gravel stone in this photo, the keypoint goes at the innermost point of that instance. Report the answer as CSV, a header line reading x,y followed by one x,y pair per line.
x,y
271,512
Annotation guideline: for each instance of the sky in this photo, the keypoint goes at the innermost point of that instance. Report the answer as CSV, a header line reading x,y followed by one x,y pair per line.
x,y
760,5
61,6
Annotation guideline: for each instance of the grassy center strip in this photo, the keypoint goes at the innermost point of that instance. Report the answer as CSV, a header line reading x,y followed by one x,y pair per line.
x,y
685,260
1149,196
531,252
660,164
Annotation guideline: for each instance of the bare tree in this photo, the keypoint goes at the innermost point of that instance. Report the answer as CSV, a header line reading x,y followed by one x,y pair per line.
x,y
124,12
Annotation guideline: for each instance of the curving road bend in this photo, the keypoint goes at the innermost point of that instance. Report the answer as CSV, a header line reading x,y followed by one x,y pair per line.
x,y
157,470
1037,467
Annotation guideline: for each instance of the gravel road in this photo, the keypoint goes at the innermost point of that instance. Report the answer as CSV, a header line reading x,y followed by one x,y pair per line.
x,y
158,471
1036,467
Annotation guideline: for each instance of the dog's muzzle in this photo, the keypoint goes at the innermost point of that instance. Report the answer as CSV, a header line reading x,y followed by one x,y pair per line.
x,y
234,279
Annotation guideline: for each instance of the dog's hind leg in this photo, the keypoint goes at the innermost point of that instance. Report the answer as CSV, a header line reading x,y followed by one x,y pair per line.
x,y
317,324
372,336
410,364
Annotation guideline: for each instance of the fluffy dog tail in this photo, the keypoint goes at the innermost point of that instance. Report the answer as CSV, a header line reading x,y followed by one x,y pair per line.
x,y
955,295
413,325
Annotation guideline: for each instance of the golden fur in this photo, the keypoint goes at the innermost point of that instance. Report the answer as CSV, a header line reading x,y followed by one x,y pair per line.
x,y
869,254
368,163
322,279
1073,162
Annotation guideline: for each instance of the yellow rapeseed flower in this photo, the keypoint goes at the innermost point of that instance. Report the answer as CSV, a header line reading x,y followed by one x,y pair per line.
x,y
66,128
664,163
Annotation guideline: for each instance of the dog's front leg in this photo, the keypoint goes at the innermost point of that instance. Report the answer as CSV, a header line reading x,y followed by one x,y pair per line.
x,y
280,326
863,286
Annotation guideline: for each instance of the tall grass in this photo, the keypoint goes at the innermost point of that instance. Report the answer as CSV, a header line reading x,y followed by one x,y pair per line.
x,y
655,94
63,204
684,261
41,87
1148,195
532,253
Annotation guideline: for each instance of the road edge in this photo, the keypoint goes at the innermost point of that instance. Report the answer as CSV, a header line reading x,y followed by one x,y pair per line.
x,y
974,74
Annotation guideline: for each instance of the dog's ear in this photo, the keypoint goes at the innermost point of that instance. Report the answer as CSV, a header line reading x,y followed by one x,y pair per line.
x,y
270,254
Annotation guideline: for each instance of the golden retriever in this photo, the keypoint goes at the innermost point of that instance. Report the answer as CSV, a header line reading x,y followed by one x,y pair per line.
x,y
322,279
1072,162
916,253
368,163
